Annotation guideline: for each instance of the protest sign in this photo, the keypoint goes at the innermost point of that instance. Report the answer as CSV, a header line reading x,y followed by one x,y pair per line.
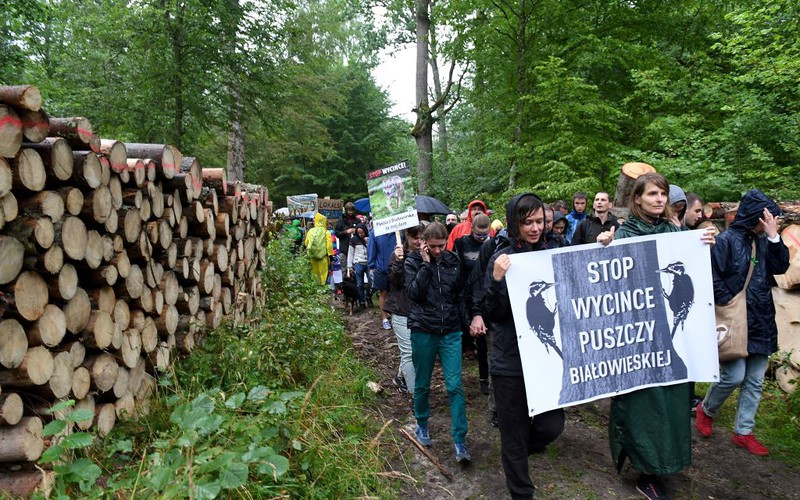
x,y
596,321
332,209
391,198
302,205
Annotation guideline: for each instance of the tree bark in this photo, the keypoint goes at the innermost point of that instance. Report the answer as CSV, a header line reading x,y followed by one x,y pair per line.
x,y
22,442
75,128
22,96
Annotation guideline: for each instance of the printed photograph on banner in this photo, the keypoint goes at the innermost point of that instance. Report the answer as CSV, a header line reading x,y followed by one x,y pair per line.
x,y
391,198
595,321
302,205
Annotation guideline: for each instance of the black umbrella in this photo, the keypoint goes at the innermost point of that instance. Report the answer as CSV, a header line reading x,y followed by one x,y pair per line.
x,y
430,205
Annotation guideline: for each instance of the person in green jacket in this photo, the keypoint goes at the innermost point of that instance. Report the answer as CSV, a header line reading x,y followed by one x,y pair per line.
x,y
651,427
294,234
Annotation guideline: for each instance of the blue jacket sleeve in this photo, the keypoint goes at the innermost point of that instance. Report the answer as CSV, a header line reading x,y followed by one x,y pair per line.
x,y
777,258
372,251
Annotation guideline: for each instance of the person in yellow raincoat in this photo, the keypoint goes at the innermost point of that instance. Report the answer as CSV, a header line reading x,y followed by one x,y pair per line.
x,y
319,247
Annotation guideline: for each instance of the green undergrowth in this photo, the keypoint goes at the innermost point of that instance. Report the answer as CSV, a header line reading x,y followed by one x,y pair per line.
x,y
270,409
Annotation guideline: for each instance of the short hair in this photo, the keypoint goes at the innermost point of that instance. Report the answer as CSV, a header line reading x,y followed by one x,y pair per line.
x,y
559,204
691,198
435,231
638,189
605,193
526,205
349,205
580,195
481,221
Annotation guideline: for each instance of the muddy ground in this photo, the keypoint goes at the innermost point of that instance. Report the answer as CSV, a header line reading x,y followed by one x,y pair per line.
x,y
577,465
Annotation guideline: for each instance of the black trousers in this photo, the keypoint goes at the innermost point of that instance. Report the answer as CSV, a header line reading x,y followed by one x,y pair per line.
x,y
521,435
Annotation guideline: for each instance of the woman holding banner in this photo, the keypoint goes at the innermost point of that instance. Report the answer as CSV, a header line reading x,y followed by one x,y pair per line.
x,y
651,427
520,435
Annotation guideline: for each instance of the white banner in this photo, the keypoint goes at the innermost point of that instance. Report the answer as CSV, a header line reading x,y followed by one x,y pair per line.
x,y
596,321
391,198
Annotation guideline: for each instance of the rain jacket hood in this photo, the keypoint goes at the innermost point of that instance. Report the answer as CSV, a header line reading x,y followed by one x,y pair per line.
x,y
320,220
474,203
751,209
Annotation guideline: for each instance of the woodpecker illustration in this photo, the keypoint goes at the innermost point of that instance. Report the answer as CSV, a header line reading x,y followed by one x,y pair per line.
x,y
681,298
540,317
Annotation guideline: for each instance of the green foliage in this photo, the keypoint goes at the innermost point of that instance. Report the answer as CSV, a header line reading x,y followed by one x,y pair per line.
x,y
263,410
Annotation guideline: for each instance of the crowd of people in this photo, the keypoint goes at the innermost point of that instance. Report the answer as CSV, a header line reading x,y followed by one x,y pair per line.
x,y
442,289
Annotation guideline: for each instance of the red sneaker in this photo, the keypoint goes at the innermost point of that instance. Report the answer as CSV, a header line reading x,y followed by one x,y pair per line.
x,y
703,422
750,443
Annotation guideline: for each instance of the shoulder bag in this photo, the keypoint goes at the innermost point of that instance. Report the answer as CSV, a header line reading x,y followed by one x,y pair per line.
x,y
732,321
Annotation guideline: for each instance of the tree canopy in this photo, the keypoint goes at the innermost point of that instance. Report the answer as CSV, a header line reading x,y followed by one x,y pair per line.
x,y
555,95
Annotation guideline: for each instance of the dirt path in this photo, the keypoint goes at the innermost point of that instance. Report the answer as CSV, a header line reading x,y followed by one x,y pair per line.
x,y
577,465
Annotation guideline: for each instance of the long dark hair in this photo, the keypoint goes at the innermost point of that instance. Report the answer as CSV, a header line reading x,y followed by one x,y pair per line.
x,y
639,186
518,209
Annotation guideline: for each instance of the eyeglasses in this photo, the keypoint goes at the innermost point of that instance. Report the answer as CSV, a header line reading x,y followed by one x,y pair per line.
x,y
480,236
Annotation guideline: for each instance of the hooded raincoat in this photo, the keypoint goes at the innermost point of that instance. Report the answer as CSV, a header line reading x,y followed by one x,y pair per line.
x,y
730,260
651,427
465,228
319,267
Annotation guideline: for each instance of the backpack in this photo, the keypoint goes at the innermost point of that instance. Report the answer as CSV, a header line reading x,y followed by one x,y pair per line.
x,y
317,244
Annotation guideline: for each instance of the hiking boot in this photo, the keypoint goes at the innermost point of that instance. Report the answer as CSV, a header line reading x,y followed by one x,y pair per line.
x,y
484,385
494,419
750,443
400,382
422,435
703,422
387,325
694,401
462,455
651,487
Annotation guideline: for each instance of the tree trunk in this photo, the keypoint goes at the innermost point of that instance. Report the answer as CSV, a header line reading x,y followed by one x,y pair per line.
x,y
10,131
10,408
35,125
56,155
22,442
75,129
22,96
36,369
422,131
12,255
13,343
28,172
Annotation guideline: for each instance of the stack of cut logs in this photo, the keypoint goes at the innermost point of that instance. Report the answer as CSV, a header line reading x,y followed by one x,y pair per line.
x,y
113,256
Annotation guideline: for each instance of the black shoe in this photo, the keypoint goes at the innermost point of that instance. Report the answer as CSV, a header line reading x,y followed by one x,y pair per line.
x,y
484,385
694,401
400,382
494,419
651,487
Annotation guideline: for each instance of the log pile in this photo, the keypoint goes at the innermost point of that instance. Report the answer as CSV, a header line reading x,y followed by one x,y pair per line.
x,y
114,258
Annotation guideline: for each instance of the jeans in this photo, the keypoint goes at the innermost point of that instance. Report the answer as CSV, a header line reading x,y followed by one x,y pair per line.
x,y
521,435
424,348
403,334
748,375
361,270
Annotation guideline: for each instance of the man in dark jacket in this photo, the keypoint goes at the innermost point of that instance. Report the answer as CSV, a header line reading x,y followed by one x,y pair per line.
x,y
345,228
520,435
600,220
754,226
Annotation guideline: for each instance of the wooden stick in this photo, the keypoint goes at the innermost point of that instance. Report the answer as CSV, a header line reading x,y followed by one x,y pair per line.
x,y
427,453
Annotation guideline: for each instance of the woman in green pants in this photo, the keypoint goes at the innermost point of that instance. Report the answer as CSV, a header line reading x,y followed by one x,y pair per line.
x,y
434,285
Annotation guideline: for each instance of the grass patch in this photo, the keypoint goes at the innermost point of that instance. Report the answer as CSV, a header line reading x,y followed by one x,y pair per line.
x,y
271,409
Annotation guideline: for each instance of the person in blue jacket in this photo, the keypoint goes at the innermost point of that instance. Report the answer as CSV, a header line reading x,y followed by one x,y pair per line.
x,y
755,223
379,253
